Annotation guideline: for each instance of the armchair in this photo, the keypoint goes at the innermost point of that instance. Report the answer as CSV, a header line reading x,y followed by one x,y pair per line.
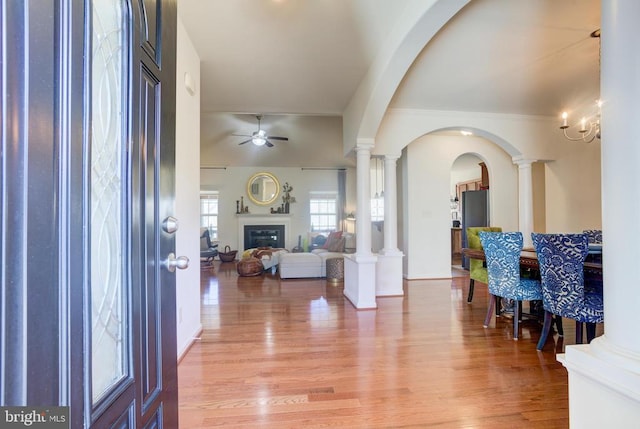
x,y
477,270
208,250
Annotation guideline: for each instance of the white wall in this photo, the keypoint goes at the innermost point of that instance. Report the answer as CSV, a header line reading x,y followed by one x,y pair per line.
x,y
428,218
231,183
573,197
187,200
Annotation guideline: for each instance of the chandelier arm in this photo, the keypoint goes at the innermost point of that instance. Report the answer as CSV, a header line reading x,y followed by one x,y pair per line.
x,y
581,138
593,131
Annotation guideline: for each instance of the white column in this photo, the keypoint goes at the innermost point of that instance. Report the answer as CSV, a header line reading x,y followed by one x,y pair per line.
x,y
604,377
390,206
525,199
360,267
363,198
389,266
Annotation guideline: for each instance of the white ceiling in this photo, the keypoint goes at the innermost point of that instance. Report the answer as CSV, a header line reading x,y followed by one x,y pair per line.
x,y
305,58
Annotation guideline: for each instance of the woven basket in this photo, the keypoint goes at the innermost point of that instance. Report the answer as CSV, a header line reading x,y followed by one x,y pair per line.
x,y
250,267
228,255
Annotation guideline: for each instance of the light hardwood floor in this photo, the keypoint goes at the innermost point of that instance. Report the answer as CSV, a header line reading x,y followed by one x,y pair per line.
x,y
297,354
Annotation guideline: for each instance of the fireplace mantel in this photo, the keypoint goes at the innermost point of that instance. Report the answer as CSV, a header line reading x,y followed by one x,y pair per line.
x,y
265,215
264,219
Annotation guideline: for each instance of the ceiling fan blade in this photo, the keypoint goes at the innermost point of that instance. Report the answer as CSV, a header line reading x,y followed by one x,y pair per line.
x,y
241,135
268,143
246,141
279,138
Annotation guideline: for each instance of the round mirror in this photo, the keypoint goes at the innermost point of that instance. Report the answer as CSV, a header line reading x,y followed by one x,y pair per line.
x,y
263,188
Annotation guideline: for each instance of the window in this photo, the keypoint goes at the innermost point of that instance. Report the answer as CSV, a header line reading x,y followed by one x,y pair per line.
x,y
323,212
209,213
377,209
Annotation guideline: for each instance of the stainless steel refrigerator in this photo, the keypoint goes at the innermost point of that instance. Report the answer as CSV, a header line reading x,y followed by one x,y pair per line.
x,y
475,212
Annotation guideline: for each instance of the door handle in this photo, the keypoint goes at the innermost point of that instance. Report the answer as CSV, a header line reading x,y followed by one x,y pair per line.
x,y
181,262
170,225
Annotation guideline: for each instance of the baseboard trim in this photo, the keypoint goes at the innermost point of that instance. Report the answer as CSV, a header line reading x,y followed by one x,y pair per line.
x,y
195,337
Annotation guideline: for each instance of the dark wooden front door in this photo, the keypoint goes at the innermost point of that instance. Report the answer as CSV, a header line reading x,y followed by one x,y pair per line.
x,y
87,309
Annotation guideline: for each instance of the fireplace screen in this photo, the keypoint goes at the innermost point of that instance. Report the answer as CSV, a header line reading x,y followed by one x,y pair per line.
x,y
263,236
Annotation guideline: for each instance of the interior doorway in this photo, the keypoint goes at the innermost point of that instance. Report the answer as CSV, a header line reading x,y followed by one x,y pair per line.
x,y
468,173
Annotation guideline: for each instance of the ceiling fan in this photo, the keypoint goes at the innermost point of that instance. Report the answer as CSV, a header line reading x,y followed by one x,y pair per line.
x,y
260,137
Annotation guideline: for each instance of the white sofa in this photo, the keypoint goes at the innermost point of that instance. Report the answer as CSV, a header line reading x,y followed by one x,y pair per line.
x,y
305,265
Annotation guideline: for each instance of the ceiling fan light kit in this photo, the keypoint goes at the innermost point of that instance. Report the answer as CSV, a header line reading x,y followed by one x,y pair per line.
x,y
260,137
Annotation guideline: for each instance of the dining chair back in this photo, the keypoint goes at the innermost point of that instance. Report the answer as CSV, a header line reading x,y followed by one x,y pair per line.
x,y
502,251
594,236
477,269
561,261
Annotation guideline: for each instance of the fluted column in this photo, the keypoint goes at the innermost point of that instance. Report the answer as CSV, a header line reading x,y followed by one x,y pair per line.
x,y
525,199
604,376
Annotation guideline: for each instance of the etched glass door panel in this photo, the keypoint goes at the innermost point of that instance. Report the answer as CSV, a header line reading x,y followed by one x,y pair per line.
x,y
109,354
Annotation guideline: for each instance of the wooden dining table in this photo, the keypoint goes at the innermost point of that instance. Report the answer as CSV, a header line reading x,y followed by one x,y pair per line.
x,y
529,259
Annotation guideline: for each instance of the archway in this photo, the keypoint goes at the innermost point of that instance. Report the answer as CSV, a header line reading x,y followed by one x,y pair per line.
x,y
427,170
469,174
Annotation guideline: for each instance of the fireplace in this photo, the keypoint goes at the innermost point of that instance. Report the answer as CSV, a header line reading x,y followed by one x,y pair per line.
x,y
263,236
265,221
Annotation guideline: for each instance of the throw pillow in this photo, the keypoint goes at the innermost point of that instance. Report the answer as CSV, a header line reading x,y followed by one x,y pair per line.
x,y
319,240
337,245
333,237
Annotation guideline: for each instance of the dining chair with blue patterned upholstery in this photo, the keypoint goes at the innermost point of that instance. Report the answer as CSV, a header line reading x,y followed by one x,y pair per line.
x,y
502,251
593,235
561,260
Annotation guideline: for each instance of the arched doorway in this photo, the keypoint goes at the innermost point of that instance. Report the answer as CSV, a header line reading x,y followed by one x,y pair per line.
x,y
469,201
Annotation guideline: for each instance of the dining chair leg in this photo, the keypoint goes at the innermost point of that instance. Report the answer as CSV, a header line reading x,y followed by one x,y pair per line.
x,y
492,303
591,331
558,321
578,332
546,327
516,318
470,296
519,309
